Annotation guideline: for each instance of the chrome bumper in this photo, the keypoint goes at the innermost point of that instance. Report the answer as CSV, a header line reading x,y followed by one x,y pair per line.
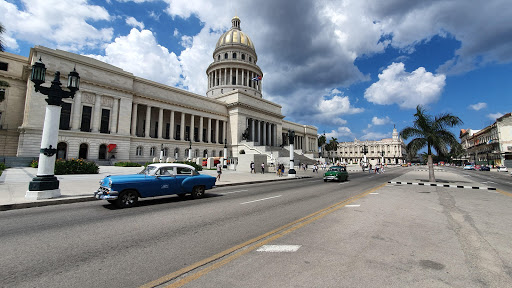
x,y
105,194
330,178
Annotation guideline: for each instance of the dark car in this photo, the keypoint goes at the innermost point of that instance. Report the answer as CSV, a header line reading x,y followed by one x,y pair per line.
x,y
485,168
338,173
155,180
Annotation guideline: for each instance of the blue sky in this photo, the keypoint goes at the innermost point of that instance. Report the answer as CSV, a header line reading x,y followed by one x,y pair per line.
x,y
352,68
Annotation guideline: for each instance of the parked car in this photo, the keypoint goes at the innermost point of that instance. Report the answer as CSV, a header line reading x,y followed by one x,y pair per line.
x,y
338,173
485,168
477,167
157,179
469,167
215,161
502,169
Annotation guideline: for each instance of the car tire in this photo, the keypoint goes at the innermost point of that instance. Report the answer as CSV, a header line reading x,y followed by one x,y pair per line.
x,y
198,192
111,201
127,199
325,180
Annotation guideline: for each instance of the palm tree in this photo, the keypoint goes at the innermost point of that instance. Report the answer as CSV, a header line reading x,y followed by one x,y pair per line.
x,y
431,132
321,143
2,30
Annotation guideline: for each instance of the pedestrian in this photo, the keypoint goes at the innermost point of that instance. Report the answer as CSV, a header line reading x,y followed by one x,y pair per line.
x,y
252,167
262,168
370,168
278,170
219,171
282,169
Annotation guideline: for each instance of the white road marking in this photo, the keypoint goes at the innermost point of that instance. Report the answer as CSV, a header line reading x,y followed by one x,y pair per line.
x,y
279,248
342,183
374,193
355,205
261,199
233,192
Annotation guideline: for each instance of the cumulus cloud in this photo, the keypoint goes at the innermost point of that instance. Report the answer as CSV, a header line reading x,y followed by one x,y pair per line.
x,y
339,133
396,86
478,106
375,136
59,24
131,21
494,116
380,121
139,54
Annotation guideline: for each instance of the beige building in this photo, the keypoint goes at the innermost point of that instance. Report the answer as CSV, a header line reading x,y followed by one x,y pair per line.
x,y
139,117
352,152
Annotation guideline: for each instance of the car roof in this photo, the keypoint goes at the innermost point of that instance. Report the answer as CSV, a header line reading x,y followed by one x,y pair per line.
x,y
160,165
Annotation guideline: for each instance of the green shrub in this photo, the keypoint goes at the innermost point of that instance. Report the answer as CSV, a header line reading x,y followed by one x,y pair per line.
x,y
72,166
127,164
2,166
34,163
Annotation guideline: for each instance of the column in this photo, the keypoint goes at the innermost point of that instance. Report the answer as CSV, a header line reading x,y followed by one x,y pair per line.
x,y
259,133
171,128
134,119
77,111
192,132
230,75
225,76
264,133
214,78
209,131
160,122
224,128
113,119
236,76
182,127
97,114
201,128
148,121
252,130
216,132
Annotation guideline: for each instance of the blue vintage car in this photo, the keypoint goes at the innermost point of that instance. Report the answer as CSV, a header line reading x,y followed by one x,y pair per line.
x,y
155,180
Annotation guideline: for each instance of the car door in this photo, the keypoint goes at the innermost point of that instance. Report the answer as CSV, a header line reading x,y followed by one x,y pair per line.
x,y
165,181
182,173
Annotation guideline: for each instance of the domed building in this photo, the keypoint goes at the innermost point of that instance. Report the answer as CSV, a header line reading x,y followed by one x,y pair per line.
x,y
116,115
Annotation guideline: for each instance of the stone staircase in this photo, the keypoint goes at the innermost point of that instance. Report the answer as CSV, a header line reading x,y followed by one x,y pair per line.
x,y
277,154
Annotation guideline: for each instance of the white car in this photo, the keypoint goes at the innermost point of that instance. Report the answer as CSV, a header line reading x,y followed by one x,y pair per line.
x,y
502,169
469,167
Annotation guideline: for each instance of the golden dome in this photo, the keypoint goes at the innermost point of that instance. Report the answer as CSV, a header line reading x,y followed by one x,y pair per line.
x,y
235,36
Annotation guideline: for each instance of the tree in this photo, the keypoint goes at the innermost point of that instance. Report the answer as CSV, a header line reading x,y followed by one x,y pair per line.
x,y
431,132
321,142
2,30
333,144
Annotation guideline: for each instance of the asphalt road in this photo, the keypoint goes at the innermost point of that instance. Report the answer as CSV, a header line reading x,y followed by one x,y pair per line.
x,y
93,244
500,180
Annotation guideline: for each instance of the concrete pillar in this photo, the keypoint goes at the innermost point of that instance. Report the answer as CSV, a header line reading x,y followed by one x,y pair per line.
x,y
201,128
97,114
216,132
114,116
160,122
134,119
209,131
171,128
192,132
77,111
236,76
224,128
182,127
148,121
252,130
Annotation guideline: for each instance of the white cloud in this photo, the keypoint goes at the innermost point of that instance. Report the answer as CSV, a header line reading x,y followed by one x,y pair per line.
x,y
131,21
139,54
478,106
408,90
494,116
380,121
375,136
339,133
66,25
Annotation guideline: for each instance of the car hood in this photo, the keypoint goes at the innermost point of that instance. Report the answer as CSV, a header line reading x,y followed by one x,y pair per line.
x,y
331,173
125,178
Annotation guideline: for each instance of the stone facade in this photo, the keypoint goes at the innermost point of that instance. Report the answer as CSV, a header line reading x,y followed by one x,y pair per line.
x,y
140,116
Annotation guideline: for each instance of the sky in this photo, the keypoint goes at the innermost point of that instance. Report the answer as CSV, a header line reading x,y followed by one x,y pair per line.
x,y
352,68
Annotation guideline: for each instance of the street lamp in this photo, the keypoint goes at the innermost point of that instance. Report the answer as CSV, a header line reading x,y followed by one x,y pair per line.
x,y
291,140
45,185
225,162
190,149
161,152
382,154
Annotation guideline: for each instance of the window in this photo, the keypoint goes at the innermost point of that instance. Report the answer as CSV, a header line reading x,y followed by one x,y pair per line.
x,y
243,56
105,120
139,151
152,151
234,55
4,66
226,56
166,151
2,94
102,154
65,116
177,137
86,119
62,147
250,59
218,58
82,152
167,130
184,171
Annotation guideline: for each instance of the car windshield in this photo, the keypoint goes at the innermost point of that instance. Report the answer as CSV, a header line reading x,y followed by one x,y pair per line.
x,y
336,169
149,170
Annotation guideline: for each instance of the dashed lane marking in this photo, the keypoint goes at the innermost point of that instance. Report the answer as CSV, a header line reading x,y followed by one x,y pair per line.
x,y
279,248
355,205
261,199
225,193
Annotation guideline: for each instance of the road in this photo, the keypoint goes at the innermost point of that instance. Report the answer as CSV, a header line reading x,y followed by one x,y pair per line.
x,y
94,245
500,180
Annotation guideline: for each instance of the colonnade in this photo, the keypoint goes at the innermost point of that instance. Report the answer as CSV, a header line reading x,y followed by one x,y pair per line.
x,y
209,130
97,103
233,76
262,133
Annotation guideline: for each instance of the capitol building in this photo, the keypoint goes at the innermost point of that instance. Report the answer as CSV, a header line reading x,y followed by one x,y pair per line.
x,y
118,115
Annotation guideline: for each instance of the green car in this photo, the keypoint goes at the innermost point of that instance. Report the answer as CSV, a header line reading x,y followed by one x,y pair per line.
x,y
338,173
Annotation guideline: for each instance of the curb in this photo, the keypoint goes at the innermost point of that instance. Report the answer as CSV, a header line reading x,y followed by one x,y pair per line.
x,y
58,201
442,185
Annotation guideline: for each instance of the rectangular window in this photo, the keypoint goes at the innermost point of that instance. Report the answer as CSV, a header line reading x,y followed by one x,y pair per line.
x,y
105,121
156,129
65,116
187,133
205,139
2,94
196,134
4,66
86,119
1,126
178,129
167,130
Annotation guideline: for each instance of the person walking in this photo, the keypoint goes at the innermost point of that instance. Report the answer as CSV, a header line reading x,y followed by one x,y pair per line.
x,y
278,170
262,168
219,171
252,167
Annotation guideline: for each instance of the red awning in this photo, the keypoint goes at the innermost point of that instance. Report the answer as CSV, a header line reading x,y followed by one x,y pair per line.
x,y
111,147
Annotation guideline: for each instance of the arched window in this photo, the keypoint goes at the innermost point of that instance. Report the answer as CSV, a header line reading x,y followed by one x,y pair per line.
x,y
152,151
213,154
196,153
205,153
62,148
166,151
102,154
234,55
82,152
220,153
139,151
250,59
176,153
218,58
225,55
243,56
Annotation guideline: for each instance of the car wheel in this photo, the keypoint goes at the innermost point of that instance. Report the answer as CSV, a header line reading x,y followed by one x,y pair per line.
x,y
111,201
198,192
325,180
127,199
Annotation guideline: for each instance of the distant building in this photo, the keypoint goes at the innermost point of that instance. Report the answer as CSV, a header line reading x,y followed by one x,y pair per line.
x,y
352,152
491,145
118,114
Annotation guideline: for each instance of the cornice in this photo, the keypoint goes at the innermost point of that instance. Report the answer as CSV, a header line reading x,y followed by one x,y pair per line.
x,y
244,105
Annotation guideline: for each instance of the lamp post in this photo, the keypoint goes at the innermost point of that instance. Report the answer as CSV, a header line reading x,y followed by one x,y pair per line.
x,y
190,149
225,161
364,150
161,152
291,140
45,185
382,154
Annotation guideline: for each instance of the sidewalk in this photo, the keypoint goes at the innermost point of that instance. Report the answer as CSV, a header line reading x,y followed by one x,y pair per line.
x,y
79,188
